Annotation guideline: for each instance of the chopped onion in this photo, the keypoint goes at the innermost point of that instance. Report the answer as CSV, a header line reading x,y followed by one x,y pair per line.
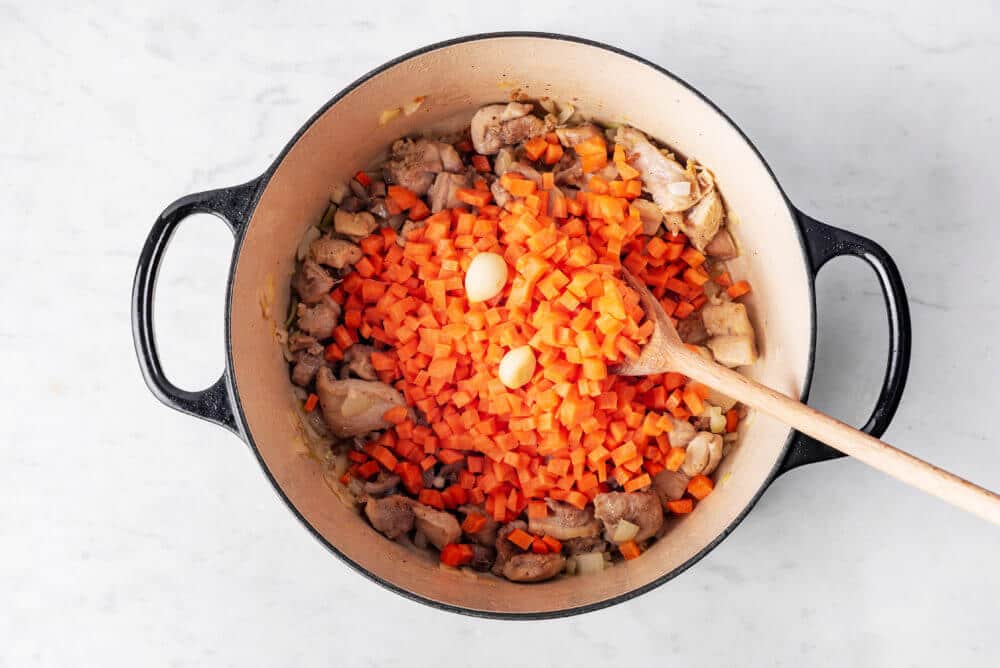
x,y
414,104
625,531
591,562
338,192
570,567
680,188
311,235
388,116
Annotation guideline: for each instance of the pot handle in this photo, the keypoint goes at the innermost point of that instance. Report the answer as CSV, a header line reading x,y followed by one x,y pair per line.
x,y
825,242
214,403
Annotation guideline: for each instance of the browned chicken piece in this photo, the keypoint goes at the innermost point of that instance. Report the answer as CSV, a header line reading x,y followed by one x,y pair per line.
x,y
673,187
488,534
300,341
384,484
309,362
640,508
571,136
568,171
669,485
358,362
692,330
703,222
336,253
722,246
585,545
482,558
505,548
732,339
498,125
392,516
533,567
442,192
565,521
312,282
414,164
354,407
438,526
319,319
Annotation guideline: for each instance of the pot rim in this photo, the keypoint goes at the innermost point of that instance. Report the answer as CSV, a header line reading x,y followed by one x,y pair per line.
x,y
261,184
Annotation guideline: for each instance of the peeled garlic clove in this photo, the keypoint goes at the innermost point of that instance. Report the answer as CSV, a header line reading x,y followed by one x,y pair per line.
x,y
485,277
517,367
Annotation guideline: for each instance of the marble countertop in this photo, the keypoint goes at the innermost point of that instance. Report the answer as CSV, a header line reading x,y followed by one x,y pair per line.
x,y
133,535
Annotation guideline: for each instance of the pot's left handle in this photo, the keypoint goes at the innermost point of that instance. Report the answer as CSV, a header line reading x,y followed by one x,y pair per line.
x,y
233,206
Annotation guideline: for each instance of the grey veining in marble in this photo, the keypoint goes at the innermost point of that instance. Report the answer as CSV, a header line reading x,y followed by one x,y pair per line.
x,y
133,535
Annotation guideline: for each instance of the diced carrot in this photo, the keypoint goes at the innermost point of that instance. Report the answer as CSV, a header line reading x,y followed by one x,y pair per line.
x,y
481,163
456,554
629,549
700,486
362,178
311,402
732,420
680,506
738,289
521,538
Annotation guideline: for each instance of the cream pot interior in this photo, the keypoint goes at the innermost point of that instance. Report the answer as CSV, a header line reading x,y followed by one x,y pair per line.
x,y
455,80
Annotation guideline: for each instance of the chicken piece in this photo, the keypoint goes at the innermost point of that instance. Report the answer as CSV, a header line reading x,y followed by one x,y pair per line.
x,y
681,434
673,187
565,521
442,193
703,454
500,194
319,319
505,158
571,136
640,508
482,558
506,549
568,171
488,534
312,282
722,246
392,516
438,526
650,215
585,545
692,330
300,341
414,164
358,362
703,222
407,227
533,567
527,171
670,485
355,225
336,253
731,334
451,161
497,125
308,364
384,484
733,351
354,407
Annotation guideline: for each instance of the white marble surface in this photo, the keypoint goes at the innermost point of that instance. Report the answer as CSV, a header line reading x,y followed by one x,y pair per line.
x,y
133,535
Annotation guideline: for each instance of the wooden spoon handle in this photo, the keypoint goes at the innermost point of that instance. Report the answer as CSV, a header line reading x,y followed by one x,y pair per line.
x,y
847,439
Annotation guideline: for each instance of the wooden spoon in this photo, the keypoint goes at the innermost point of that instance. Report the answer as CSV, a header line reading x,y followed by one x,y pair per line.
x,y
666,352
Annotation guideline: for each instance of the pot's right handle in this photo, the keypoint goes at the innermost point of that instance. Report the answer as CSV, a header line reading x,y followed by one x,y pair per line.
x,y
825,242
214,403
